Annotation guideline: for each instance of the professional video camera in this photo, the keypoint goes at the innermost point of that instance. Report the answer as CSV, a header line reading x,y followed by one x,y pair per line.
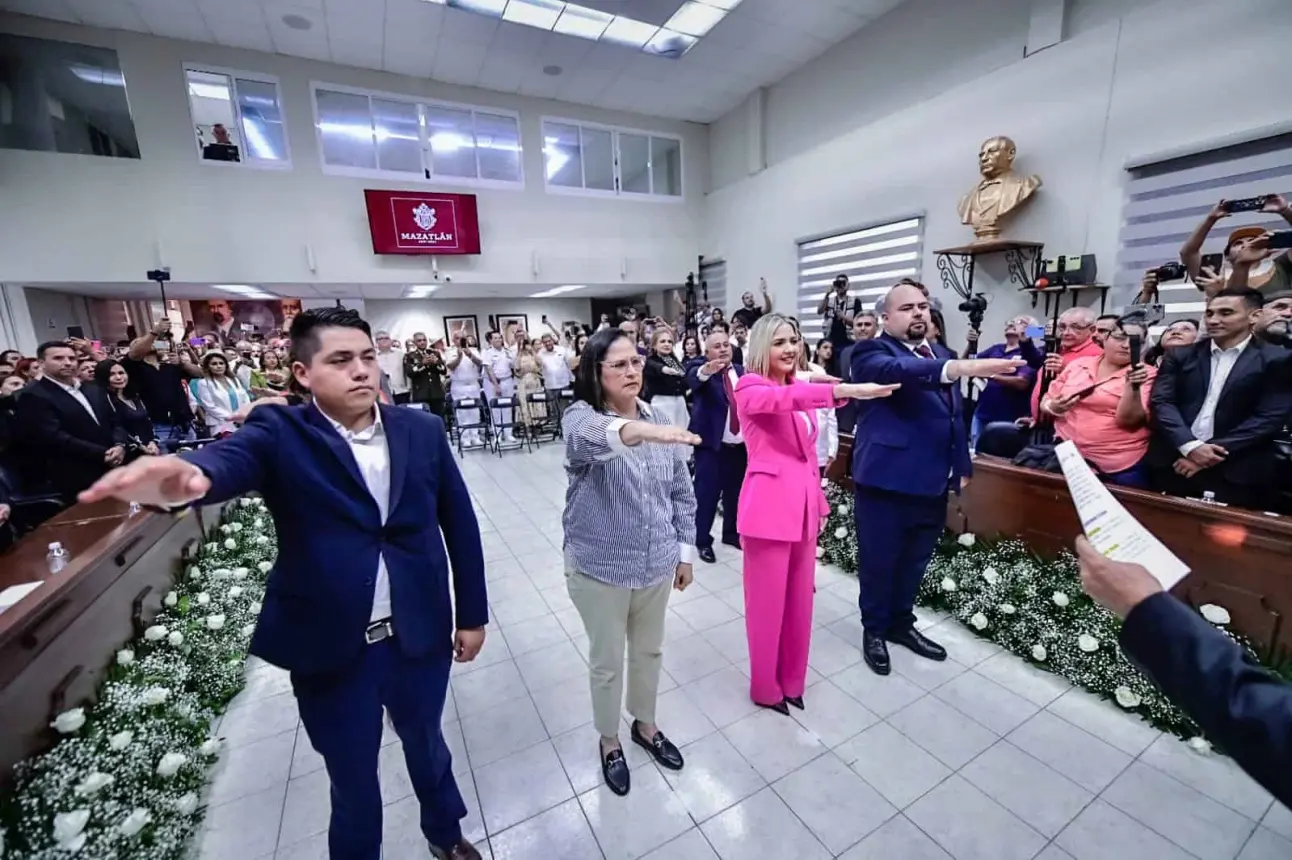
x,y
975,306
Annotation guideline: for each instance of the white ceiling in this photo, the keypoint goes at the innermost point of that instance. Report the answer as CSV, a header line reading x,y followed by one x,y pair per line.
x,y
175,290
759,43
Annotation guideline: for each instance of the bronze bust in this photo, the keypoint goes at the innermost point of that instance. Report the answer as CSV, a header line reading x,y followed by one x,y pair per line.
x,y
1000,192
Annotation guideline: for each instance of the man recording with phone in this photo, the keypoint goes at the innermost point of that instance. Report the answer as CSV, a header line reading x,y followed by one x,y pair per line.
x,y
1250,266
158,378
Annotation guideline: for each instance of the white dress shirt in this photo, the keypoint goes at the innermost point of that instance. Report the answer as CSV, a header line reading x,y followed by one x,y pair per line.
x,y
372,455
499,361
392,364
946,376
827,438
728,438
1222,364
556,370
75,390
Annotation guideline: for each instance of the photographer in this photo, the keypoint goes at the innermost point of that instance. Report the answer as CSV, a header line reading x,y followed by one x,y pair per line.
x,y
837,310
158,377
464,365
1277,275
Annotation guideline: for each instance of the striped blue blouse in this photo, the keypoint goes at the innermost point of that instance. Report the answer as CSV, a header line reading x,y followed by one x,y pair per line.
x,y
629,512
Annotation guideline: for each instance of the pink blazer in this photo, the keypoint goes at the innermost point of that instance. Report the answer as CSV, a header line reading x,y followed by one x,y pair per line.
x,y
781,498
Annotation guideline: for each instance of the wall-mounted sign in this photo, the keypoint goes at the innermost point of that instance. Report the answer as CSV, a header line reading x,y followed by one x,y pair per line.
x,y
411,222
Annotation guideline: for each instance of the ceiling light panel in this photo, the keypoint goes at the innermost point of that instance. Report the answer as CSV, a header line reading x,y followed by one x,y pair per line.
x,y
695,19
626,31
492,8
582,22
541,14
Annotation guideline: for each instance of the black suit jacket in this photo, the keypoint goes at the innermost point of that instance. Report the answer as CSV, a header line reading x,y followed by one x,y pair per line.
x,y
1253,407
1244,708
66,443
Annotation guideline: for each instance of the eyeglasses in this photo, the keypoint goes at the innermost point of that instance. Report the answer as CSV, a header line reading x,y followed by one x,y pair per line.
x,y
1073,326
621,366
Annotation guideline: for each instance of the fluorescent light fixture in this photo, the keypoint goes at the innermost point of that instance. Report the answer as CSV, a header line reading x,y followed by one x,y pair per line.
x,y
492,8
437,2
244,290
725,5
556,291
420,291
534,13
626,31
208,91
583,22
695,19
96,75
670,43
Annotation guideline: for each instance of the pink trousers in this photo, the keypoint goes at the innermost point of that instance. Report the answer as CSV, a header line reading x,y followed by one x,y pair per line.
x,y
779,579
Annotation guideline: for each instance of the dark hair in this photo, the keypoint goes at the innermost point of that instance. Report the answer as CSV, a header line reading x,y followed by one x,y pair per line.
x,y
838,279
720,326
489,335
1108,317
941,323
52,344
587,376
4,356
577,349
305,330
1252,298
212,356
103,370
1197,326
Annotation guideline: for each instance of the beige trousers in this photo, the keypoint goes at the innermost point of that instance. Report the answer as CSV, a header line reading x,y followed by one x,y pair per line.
x,y
613,616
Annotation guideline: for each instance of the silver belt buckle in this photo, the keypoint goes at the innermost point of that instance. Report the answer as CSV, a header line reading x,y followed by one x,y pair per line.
x,y
379,631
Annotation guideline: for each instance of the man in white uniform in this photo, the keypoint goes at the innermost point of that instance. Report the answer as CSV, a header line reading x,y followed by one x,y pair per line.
x,y
391,361
500,382
464,365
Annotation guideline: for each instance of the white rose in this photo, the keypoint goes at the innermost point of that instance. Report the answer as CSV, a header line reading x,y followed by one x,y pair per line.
x,y
125,657
1200,745
170,764
825,482
134,822
262,540
214,622
1127,698
186,804
240,573
176,638
171,598
255,606
967,539
195,572
1038,653
155,695
842,510
820,551
68,827
212,547
979,621
69,721
203,599
1007,609
221,573
258,522
210,747
93,783
120,741
235,592
237,527
948,584
230,544
246,501
155,633
1060,599
841,533
1217,615
225,530
264,567
248,630
1087,643
990,575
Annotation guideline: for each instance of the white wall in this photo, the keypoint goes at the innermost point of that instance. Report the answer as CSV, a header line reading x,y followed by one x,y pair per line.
x,y
52,312
81,218
888,123
404,317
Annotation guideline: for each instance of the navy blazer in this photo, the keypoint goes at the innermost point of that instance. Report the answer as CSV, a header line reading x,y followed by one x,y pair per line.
x,y
913,441
62,443
318,599
709,405
1243,707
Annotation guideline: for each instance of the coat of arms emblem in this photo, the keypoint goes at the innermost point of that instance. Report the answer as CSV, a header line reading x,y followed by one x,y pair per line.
x,y
424,216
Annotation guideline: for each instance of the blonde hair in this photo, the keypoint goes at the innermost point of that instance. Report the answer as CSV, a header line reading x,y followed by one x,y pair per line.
x,y
658,333
758,352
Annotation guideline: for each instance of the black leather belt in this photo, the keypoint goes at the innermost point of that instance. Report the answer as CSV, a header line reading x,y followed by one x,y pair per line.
x,y
379,630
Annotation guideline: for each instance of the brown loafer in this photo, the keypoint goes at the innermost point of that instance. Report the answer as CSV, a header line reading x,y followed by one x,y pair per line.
x,y
464,850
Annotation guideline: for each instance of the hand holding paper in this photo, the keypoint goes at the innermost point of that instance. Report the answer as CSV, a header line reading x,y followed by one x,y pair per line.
x,y
1118,586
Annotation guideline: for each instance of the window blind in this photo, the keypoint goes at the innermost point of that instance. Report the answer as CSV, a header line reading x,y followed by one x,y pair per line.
x,y
873,258
714,274
1166,200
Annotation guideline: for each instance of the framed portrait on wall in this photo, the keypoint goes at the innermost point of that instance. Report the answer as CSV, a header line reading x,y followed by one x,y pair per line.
x,y
509,324
460,327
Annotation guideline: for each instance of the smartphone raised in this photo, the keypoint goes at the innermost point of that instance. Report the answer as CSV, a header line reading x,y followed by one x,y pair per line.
x,y
1034,331
1247,204
1279,239
161,345
76,331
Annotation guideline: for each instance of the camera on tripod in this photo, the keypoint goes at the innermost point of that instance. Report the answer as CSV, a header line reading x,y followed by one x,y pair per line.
x,y
975,306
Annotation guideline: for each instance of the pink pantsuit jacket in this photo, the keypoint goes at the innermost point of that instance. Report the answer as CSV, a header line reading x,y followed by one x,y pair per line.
x,y
782,497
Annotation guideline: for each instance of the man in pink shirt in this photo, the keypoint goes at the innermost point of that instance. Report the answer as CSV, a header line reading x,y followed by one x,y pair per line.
x,y
1076,340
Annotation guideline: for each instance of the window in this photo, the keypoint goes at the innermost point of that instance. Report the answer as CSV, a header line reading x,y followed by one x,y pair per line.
x,y
237,118
873,258
713,275
64,97
610,161
390,136
1166,198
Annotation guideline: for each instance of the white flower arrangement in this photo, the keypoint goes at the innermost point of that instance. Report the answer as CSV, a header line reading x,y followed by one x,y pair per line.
x,y
94,783
175,639
1008,609
978,621
990,575
69,722
1217,615
120,740
843,510
203,599
235,527
235,592
156,633
948,584
840,533
154,696
171,599
241,573
134,822
967,539
125,657
1039,653
1087,643
1061,599
225,529
69,829
230,543
264,567
186,804
254,607
215,622
1127,698
170,764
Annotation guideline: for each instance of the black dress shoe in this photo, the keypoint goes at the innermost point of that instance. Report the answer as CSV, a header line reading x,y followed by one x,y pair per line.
x,y
706,554
780,708
614,768
796,701
665,753
733,542
464,850
875,651
919,643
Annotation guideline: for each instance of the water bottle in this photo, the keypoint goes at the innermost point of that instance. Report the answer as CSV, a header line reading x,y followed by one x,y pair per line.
x,y
1208,497
56,557
134,509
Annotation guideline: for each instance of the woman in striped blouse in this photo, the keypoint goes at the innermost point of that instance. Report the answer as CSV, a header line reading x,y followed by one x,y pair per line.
x,y
629,527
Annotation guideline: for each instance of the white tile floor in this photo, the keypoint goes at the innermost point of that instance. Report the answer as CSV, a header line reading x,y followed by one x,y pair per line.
x,y
977,758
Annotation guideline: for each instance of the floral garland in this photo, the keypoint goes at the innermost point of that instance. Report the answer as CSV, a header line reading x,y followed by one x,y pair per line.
x,y
125,777
1032,607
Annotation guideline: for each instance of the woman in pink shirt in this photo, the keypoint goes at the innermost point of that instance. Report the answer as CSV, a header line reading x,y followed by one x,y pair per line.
x,y
782,505
1100,404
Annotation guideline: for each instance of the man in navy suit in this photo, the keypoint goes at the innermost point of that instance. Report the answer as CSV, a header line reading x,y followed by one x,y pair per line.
x,y
357,606
909,450
720,457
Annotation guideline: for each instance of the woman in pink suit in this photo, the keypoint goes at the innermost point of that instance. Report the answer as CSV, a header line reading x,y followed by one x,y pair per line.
x,y
782,505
